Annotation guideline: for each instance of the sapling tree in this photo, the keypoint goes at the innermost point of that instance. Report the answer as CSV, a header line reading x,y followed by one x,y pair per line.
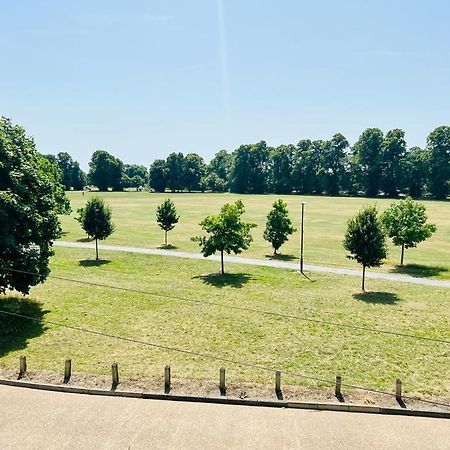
x,y
226,232
278,226
95,219
166,216
365,240
406,224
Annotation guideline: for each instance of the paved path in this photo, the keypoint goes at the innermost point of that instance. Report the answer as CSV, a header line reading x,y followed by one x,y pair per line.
x,y
31,419
263,262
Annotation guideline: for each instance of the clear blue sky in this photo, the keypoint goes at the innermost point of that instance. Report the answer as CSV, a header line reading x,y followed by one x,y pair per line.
x,y
142,78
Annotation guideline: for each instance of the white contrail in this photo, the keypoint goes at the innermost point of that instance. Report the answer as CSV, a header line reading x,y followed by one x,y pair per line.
x,y
223,57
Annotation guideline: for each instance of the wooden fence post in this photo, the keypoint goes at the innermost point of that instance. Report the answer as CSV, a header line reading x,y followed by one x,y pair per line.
x,y
222,385
278,381
22,366
337,389
398,390
67,370
115,374
166,379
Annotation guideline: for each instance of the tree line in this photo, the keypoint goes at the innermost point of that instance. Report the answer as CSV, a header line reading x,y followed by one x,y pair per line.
x,y
376,164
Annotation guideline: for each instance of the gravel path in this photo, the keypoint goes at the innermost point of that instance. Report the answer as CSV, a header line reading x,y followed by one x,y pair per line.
x,y
262,262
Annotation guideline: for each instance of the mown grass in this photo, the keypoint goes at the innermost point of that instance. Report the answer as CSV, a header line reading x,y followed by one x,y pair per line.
x,y
325,224
315,349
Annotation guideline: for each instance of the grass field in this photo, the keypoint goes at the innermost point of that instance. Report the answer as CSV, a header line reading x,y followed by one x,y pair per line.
x,y
363,358
325,224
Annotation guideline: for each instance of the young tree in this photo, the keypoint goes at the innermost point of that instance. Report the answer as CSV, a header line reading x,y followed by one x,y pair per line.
x,y
227,232
95,219
278,225
365,239
405,223
31,196
166,216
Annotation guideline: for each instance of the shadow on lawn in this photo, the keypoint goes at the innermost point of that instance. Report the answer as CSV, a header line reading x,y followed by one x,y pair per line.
x,y
167,247
86,239
93,262
235,280
419,271
385,298
281,257
15,332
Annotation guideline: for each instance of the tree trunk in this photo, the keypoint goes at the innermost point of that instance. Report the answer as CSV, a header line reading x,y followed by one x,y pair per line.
x,y
221,262
165,236
96,249
403,254
363,278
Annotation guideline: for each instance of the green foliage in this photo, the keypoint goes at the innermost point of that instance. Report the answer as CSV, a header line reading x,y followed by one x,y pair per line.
x,y
105,171
175,171
365,239
95,219
72,176
31,195
193,170
227,232
393,150
438,144
214,183
278,225
158,175
405,223
166,216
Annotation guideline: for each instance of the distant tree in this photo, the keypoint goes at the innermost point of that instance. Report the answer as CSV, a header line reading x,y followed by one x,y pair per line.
x,y
405,223
367,151
414,171
280,169
31,196
333,162
214,183
221,165
393,149
166,216
303,167
227,232
105,171
158,175
240,170
365,240
137,172
194,169
175,171
278,226
95,219
438,144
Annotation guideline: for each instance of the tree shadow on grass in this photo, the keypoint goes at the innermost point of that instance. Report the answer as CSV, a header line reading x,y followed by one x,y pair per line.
x,y
15,332
419,271
281,257
167,247
384,298
86,239
93,262
234,280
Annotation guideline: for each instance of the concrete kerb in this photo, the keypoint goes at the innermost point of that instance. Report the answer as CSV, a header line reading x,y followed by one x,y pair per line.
x,y
231,401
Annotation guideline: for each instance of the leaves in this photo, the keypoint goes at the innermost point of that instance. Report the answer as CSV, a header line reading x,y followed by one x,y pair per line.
x,y
278,225
95,219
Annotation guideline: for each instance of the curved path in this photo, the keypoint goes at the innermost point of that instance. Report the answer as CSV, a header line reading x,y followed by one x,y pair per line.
x,y
262,262
32,419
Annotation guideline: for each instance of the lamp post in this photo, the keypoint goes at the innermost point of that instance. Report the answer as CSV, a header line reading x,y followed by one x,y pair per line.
x,y
301,237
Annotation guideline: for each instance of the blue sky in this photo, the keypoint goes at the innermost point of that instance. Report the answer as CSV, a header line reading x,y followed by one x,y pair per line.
x,y
144,78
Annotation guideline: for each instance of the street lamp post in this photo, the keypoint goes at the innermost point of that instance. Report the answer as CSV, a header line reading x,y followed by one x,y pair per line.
x,y
302,238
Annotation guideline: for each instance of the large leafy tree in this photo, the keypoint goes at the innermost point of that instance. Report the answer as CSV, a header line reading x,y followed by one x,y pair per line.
x,y
368,151
333,162
95,219
393,150
365,240
278,225
105,171
166,216
406,224
438,144
31,195
221,165
72,176
193,171
413,171
303,174
281,168
226,232
175,171
158,175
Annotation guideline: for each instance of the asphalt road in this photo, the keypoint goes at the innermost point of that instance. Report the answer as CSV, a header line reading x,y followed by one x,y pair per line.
x,y
31,419
261,262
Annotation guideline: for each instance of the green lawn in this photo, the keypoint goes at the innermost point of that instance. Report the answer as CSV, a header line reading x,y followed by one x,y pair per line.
x,y
325,224
362,358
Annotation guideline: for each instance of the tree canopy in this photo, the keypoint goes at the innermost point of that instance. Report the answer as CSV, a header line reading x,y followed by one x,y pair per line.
x,y
226,232
31,196
105,171
406,224
166,216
